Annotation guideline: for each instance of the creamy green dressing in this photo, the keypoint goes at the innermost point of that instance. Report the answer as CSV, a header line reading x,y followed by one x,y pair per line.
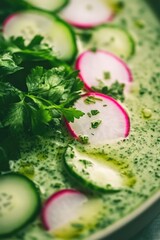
x,y
42,158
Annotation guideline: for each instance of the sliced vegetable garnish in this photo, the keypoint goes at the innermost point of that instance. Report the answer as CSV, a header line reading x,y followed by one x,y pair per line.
x,y
57,34
19,203
62,207
48,5
97,172
99,69
113,39
87,13
68,214
111,123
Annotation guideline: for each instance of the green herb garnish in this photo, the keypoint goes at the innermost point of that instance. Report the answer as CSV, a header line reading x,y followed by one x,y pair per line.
x,y
84,139
116,90
92,100
107,75
50,94
86,163
94,112
36,90
96,124
85,36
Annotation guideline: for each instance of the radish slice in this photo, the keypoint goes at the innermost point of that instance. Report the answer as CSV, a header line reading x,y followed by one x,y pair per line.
x,y
69,208
101,68
104,121
61,208
87,13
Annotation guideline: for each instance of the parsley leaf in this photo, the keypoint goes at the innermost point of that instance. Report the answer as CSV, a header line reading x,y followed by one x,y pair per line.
x,y
49,95
71,113
15,116
8,95
35,50
8,65
19,58
56,85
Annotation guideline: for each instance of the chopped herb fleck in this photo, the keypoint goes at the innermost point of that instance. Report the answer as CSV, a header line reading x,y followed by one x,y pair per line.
x,y
94,112
84,139
86,163
89,114
85,36
139,23
107,75
143,90
89,7
96,124
94,49
79,226
84,172
91,100
118,6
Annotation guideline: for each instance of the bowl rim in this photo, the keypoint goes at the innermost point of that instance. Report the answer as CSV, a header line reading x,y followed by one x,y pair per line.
x,y
133,222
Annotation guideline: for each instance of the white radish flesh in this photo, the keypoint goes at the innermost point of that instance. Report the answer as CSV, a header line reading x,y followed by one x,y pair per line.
x,y
104,121
102,68
87,13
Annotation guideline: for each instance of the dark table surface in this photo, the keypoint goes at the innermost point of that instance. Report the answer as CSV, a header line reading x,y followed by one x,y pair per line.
x,y
151,232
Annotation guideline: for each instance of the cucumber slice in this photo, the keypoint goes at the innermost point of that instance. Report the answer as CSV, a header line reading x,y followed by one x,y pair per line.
x,y
98,173
48,5
56,32
19,203
113,39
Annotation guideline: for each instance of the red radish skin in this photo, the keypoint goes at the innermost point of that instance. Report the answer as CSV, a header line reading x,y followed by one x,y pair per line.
x,y
71,131
122,110
59,195
81,61
87,23
7,20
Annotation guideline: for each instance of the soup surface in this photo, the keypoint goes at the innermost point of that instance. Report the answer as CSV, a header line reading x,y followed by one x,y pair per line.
x,y
42,158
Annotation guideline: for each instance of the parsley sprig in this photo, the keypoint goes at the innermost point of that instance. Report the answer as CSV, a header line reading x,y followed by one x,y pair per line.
x,y
36,91
50,95
19,51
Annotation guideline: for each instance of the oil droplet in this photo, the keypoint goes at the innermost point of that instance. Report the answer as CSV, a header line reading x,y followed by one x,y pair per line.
x,y
147,113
